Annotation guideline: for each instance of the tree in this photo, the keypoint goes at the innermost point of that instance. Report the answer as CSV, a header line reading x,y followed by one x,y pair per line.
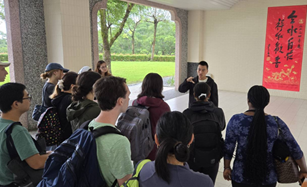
x,y
109,22
166,38
134,19
155,16
3,42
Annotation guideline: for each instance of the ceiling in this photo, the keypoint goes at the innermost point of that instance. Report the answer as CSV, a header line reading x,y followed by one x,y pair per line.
x,y
199,4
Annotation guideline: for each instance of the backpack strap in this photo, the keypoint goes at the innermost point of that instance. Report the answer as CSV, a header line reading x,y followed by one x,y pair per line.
x,y
136,104
100,131
85,125
105,130
9,140
10,143
139,167
137,171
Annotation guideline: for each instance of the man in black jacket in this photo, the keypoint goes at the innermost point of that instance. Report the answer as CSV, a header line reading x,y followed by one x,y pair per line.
x,y
190,82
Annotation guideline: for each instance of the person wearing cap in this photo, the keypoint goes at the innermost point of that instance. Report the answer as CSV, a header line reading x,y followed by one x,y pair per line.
x,y
84,69
3,71
53,73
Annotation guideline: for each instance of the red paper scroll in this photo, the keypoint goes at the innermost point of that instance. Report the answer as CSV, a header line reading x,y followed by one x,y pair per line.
x,y
284,47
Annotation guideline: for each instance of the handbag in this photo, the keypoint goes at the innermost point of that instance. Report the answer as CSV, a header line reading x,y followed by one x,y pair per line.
x,y
24,175
286,168
37,112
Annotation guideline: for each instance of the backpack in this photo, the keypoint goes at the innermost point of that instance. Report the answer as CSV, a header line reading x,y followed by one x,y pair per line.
x,y
74,162
135,125
24,175
134,180
207,147
49,127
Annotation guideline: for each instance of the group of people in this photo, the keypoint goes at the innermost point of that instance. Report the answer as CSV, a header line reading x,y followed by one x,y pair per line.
x,y
101,97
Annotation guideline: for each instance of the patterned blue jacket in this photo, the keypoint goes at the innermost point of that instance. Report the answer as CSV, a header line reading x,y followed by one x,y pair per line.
x,y
236,134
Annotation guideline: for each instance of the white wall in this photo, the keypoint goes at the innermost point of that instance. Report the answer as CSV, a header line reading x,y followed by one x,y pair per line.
x,y
53,24
68,32
234,42
195,35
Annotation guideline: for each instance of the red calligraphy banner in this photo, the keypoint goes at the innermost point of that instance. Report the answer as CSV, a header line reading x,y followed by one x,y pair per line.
x,y
284,47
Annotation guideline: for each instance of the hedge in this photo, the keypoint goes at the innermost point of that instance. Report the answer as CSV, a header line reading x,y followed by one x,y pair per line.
x,y
4,57
140,57
124,57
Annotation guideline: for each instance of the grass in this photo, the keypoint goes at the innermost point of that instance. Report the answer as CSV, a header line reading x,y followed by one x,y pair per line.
x,y
136,71
133,71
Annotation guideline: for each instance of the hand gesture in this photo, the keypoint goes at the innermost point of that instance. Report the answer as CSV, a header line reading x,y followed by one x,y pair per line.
x,y
190,79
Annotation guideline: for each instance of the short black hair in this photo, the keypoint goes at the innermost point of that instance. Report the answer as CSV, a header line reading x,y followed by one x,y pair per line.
x,y
107,90
203,63
9,93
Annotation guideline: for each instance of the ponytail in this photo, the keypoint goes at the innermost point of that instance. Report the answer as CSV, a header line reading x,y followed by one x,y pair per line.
x,y
161,159
56,92
64,84
170,146
174,132
47,74
255,165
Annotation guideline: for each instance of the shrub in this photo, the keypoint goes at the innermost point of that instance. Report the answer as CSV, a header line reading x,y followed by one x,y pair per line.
x,y
4,57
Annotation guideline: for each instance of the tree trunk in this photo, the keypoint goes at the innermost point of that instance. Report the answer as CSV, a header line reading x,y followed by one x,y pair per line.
x,y
122,24
105,35
105,38
132,36
154,40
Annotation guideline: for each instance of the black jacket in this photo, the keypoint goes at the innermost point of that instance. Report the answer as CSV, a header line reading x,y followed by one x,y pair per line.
x,y
205,110
61,102
185,86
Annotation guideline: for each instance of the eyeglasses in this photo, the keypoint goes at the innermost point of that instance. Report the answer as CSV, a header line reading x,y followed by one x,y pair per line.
x,y
103,67
29,97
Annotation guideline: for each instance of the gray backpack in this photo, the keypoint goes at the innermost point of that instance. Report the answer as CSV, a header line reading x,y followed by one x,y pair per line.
x,y
135,125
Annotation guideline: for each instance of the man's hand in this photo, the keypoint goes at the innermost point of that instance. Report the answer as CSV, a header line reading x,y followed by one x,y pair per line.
x,y
190,79
227,174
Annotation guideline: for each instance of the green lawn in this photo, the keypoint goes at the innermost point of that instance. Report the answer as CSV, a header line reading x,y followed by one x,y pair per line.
x,y
134,71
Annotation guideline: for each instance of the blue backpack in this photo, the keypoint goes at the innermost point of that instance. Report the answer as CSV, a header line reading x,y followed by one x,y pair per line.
x,y
74,162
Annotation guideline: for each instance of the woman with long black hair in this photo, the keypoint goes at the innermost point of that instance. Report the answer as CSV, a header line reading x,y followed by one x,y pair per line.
x,y
254,132
174,134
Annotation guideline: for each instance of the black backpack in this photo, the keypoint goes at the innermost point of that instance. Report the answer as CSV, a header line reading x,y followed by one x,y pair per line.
x,y
74,162
49,127
207,147
24,175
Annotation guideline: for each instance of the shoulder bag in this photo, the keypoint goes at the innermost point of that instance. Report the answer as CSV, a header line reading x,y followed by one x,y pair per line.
x,y
286,168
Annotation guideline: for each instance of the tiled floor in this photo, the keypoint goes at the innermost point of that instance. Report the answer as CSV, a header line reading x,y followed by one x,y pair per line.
x,y
292,111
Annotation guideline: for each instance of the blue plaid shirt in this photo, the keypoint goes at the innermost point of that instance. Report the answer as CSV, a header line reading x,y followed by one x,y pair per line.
x,y
236,134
